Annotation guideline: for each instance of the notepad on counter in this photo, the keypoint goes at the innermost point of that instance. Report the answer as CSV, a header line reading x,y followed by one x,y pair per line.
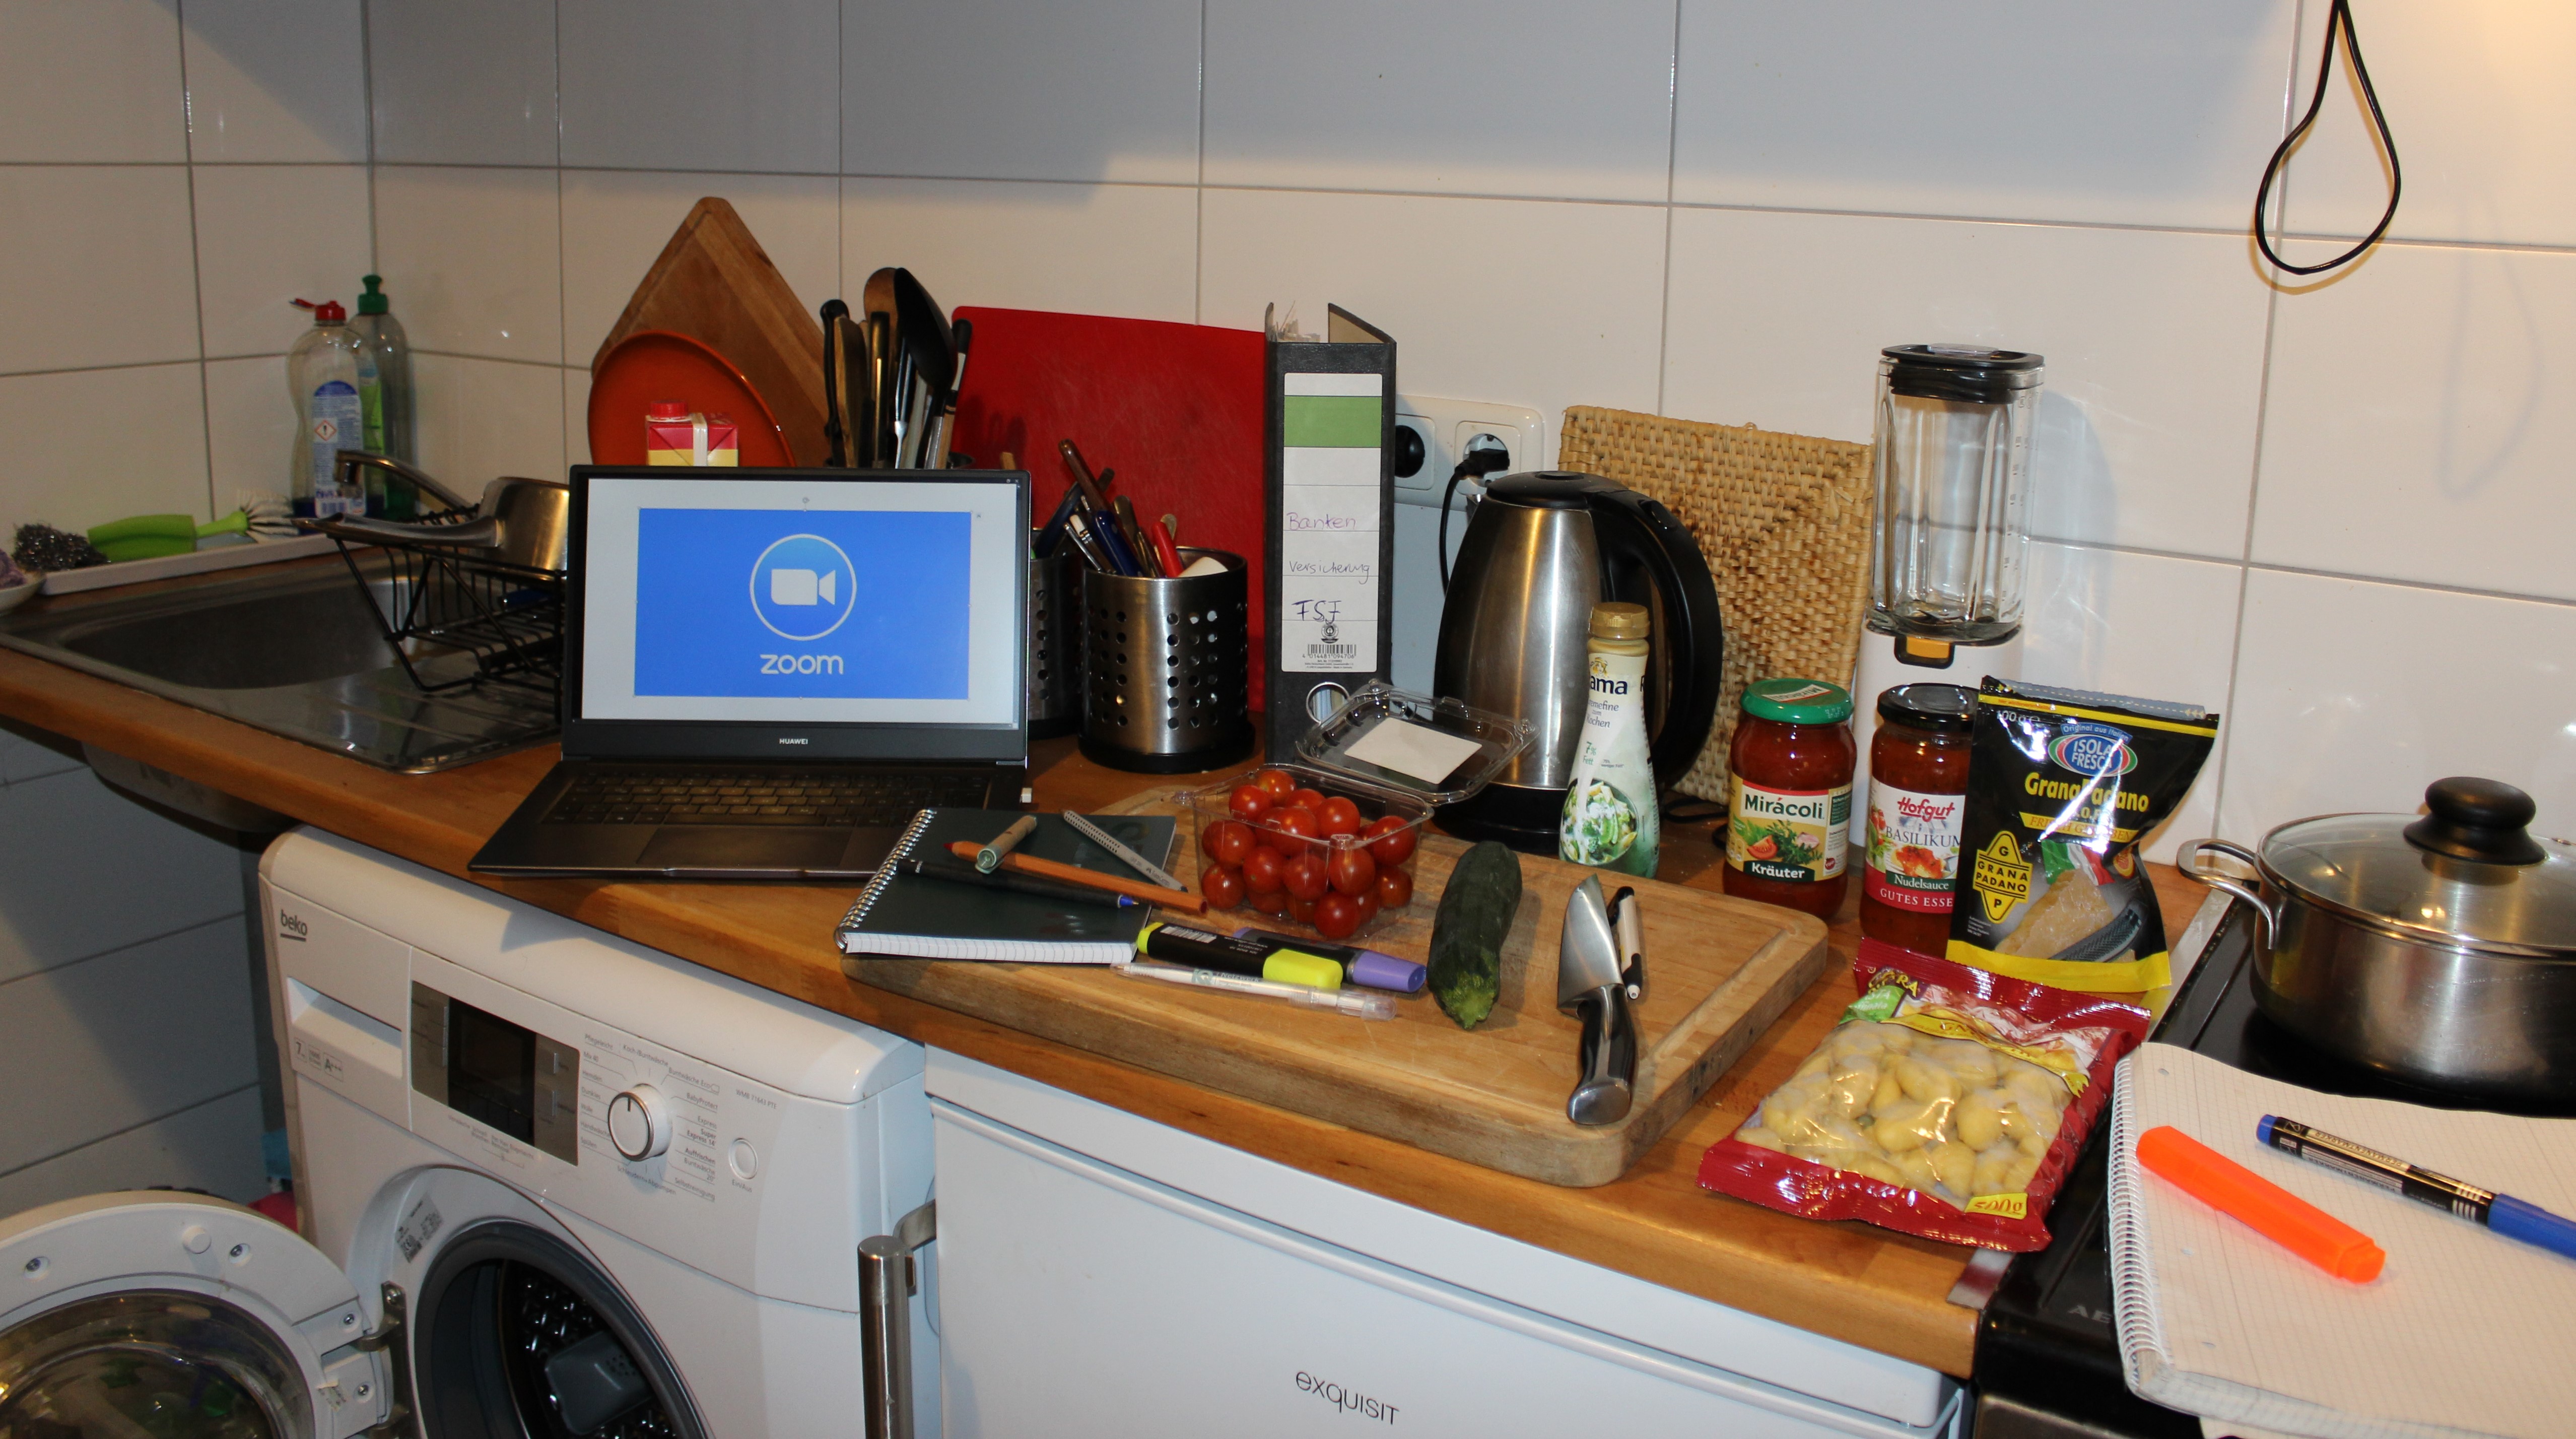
x,y
906,915
2464,1332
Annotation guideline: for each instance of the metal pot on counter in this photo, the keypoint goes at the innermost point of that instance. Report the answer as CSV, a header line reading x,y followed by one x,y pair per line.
x,y
2440,950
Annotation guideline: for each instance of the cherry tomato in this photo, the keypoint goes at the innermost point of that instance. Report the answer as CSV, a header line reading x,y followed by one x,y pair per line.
x,y
1272,902
1337,916
1394,888
1221,886
1288,830
1310,798
1368,906
1353,872
1301,910
1391,840
1261,871
1248,802
1339,816
1228,841
1305,875
1276,783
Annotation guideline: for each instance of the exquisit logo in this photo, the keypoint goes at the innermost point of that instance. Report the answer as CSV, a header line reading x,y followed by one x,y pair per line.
x,y
1343,1399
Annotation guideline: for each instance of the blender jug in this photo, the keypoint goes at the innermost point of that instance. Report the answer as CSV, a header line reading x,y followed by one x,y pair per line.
x,y
1953,466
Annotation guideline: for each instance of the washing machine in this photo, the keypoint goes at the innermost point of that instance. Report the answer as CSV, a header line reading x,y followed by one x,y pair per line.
x,y
555,1184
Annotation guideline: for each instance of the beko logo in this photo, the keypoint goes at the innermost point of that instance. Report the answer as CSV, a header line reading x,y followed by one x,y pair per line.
x,y
1344,1400
290,926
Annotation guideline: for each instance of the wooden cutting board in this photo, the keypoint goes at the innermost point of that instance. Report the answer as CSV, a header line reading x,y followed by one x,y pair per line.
x,y
714,284
1719,971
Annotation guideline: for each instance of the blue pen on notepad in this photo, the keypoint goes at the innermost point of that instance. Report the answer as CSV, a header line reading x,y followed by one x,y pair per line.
x,y
2506,1215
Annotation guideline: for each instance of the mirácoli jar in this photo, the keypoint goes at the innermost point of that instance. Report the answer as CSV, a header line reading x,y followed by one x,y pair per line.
x,y
1789,791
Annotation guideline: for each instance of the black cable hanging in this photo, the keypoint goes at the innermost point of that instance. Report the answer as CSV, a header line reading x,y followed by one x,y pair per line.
x,y
2337,18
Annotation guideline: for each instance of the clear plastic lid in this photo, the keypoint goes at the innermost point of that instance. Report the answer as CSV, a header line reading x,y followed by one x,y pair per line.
x,y
2464,875
1442,750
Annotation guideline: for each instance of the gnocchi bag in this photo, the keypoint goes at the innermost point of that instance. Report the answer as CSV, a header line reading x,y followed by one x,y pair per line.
x,y
1949,1102
2062,787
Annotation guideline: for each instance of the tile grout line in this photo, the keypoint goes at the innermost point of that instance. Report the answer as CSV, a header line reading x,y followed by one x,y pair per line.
x,y
367,98
125,948
2262,414
563,266
1672,168
196,259
1198,189
98,1139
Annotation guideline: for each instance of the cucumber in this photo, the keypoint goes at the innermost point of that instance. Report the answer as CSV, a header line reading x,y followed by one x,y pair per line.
x,y
1467,938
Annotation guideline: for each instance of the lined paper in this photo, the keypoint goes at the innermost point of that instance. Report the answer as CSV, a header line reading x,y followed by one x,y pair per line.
x,y
2463,1333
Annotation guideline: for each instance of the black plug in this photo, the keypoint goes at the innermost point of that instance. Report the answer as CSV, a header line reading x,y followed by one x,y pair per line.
x,y
1478,463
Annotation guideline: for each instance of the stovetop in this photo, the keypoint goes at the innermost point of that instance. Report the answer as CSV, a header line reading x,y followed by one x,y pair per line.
x,y
2047,1357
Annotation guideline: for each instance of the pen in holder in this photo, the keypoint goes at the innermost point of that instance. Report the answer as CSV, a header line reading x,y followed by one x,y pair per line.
x,y
1165,668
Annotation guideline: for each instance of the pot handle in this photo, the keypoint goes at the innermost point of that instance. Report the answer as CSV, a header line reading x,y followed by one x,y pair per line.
x,y
2265,915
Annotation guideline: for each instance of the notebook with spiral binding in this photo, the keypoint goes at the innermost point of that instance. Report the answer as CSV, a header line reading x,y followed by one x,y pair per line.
x,y
911,916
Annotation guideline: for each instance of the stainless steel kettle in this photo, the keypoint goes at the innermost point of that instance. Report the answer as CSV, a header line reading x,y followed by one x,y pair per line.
x,y
1540,550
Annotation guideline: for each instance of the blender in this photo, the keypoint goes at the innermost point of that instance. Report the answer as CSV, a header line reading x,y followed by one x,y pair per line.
x,y
1952,460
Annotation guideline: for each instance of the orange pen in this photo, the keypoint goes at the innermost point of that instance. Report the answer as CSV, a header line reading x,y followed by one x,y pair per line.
x,y
2267,1208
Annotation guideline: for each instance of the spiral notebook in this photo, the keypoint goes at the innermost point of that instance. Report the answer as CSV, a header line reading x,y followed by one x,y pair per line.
x,y
906,915
2463,1333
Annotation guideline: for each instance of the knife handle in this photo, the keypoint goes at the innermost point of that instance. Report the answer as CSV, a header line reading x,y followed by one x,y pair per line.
x,y
1609,1058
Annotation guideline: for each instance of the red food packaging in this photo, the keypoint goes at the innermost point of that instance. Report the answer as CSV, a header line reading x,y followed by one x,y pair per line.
x,y
674,435
1903,1037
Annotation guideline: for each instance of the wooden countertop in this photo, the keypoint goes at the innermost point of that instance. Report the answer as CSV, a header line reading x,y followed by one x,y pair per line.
x,y
1880,1290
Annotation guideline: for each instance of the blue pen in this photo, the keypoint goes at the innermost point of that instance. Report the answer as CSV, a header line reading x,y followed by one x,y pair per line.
x,y
2502,1213
1053,530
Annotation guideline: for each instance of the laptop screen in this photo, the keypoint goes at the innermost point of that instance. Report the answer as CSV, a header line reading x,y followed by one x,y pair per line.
x,y
796,599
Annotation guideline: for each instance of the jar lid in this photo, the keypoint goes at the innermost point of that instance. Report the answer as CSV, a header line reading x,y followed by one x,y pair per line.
x,y
1620,620
1944,708
1960,372
1797,701
2467,874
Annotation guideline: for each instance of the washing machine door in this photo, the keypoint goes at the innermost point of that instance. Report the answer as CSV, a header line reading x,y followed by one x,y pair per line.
x,y
173,1314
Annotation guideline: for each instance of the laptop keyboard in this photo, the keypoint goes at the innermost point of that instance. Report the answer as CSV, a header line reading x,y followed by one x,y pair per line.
x,y
839,798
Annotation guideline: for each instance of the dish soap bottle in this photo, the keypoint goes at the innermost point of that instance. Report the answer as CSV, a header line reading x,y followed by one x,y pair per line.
x,y
322,375
1612,817
384,375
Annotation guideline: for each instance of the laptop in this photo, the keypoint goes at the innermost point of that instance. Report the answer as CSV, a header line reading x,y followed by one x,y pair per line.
x,y
768,672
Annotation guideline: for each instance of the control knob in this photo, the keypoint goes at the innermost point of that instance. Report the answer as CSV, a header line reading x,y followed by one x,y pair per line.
x,y
639,1124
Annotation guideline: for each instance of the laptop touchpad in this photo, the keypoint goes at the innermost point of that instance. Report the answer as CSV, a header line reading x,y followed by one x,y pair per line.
x,y
720,848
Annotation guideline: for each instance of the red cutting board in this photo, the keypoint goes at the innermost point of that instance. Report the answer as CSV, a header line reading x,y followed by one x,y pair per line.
x,y
1176,410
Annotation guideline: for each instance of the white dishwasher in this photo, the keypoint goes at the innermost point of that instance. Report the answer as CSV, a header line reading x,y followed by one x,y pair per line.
x,y
1102,1274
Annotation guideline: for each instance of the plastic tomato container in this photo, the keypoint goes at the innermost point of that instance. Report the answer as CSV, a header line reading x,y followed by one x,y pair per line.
x,y
1379,864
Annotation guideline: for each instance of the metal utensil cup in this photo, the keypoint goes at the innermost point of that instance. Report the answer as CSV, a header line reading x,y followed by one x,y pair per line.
x,y
1055,643
1165,668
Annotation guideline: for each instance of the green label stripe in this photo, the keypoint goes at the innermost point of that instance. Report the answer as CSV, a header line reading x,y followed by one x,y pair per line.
x,y
1341,422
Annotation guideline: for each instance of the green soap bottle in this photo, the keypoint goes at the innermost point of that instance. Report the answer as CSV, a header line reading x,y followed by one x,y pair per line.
x,y
384,382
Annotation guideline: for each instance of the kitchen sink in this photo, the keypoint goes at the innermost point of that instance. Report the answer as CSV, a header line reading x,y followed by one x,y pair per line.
x,y
296,650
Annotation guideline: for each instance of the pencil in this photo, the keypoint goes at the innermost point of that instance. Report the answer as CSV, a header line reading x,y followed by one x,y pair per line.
x,y
1076,874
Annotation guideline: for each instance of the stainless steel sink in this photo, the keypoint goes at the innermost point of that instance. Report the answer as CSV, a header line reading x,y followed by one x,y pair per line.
x,y
293,650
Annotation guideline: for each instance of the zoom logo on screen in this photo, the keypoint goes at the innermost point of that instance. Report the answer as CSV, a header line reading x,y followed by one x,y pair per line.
x,y
802,587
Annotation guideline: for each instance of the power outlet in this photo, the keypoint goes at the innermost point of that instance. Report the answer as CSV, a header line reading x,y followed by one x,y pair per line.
x,y
1449,428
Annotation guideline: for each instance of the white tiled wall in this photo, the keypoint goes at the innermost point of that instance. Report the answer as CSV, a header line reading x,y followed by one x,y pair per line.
x,y
2330,509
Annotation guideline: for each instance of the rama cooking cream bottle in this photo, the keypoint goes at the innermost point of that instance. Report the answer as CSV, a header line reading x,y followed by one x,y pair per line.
x,y
1611,818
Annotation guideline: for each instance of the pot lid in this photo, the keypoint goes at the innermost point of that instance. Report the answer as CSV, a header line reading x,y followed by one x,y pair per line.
x,y
2468,873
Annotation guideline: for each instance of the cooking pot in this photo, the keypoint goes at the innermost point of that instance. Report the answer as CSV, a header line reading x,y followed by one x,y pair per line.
x,y
521,522
2440,951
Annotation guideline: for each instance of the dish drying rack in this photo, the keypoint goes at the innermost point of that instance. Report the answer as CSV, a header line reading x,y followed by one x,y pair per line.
x,y
448,598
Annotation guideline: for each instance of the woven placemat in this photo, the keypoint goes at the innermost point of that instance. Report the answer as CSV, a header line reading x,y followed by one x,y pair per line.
x,y
1783,521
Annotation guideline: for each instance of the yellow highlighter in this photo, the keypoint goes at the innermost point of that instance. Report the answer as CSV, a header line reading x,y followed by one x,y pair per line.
x,y
1227,954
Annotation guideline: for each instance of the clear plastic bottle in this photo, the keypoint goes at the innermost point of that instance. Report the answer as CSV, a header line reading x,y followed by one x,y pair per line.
x,y
322,375
1612,817
384,375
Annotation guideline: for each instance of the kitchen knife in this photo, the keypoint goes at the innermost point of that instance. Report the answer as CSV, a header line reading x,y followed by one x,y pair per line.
x,y
1590,984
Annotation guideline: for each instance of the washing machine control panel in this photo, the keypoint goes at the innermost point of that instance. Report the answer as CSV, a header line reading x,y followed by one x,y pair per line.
x,y
639,1123
661,1115
502,1075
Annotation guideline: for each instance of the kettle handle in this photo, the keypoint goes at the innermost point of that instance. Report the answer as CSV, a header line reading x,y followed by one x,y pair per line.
x,y
1638,535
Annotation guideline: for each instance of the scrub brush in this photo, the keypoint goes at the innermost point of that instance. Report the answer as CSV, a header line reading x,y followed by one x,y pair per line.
x,y
147,537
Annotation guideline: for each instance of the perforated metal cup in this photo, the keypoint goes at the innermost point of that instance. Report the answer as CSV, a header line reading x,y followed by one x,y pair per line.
x,y
1166,668
1055,643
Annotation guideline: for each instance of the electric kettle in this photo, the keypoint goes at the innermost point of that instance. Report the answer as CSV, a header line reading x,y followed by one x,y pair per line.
x,y
1540,550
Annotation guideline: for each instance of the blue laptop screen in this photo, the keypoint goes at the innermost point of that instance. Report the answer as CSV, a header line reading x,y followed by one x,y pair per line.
x,y
891,602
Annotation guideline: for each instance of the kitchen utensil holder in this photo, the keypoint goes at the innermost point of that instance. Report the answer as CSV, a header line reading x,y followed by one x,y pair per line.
x,y
1165,668
445,599
1055,643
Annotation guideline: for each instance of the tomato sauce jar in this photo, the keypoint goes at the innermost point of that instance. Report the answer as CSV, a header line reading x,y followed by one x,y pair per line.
x,y
1788,796
1918,786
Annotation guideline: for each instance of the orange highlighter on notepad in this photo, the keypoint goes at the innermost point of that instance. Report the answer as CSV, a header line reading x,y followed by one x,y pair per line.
x,y
2273,1212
